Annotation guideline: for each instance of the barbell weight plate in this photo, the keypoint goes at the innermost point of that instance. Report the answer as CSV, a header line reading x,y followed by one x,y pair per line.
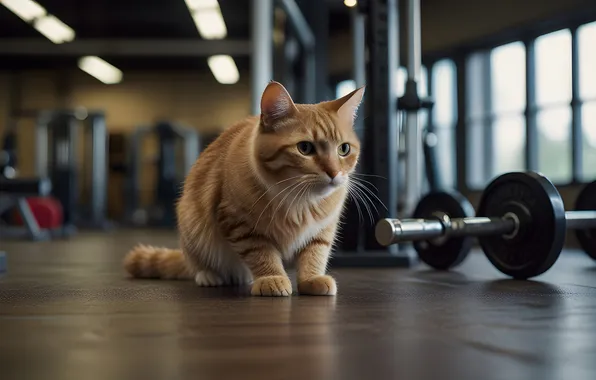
x,y
587,201
443,253
539,240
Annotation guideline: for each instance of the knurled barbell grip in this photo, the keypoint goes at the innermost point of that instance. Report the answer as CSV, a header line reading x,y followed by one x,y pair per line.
x,y
392,231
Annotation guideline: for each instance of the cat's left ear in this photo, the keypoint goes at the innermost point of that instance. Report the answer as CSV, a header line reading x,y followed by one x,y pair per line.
x,y
347,106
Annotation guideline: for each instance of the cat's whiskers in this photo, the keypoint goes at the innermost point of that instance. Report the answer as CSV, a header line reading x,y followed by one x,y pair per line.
x,y
280,203
367,197
295,196
303,195
269,188
367,175
267,205
351,193
369,191
365,181
358,195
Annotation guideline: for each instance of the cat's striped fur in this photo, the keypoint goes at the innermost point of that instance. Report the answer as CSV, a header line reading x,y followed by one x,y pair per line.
x,y
256,198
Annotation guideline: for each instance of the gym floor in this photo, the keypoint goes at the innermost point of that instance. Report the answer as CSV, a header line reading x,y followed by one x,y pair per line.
x,y
66,307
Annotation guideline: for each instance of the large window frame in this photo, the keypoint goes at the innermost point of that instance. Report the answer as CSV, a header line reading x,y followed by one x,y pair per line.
x,y
461,56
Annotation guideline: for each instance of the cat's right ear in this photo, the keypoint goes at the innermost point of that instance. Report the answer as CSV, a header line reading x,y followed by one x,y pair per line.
x,y
276,104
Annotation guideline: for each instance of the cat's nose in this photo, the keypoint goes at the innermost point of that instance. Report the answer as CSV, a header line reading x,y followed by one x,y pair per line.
x,y
332,173
335,178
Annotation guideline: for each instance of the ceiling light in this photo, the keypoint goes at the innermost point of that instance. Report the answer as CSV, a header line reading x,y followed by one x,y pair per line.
x,y
54,29
100,69
224,69
27,10
350,3
210,23
201,4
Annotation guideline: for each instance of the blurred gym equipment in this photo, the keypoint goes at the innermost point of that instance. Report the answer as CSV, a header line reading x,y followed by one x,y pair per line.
x,y
62,137
8,154
14,193
178,149
26,211
2,262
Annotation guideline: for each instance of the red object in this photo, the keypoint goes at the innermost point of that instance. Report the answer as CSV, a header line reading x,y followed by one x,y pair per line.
x,y
47,211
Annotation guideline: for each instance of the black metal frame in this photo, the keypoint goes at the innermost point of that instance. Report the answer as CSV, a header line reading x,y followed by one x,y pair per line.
x,y
359,246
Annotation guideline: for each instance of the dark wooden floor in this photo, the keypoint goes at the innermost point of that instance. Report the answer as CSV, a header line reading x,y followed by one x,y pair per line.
x,y
68,311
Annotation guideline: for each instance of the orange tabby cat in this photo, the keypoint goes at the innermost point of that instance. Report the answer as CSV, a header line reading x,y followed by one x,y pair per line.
x,y
267,191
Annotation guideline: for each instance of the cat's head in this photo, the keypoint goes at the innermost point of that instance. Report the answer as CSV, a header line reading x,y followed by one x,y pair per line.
x,y
310,144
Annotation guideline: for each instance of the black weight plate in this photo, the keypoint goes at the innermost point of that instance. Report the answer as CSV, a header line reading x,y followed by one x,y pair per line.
x,y
587,201
539,241
451,252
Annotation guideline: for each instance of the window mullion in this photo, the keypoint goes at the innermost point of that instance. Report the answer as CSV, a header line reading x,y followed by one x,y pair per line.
x,y
576,127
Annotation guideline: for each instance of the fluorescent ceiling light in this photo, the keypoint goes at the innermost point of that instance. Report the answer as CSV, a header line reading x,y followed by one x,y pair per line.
x,y
100,69
54,29
210,23
350,3
27,10
201,4
224,69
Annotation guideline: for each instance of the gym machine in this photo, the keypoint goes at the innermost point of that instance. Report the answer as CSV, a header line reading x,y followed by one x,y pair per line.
x,y
2,262
58,153
14,194
172,139
521,225
375,27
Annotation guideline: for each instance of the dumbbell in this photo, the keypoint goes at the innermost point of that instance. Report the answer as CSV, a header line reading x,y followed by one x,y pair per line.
x,y
520,224
586,201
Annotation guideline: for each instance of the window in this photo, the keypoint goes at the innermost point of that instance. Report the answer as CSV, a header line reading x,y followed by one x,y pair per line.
x,y
444,92
478,146
586,36
553,97
496,101
497,116
508,95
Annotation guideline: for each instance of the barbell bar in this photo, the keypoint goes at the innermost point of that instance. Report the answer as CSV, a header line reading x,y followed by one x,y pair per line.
x,y
521,226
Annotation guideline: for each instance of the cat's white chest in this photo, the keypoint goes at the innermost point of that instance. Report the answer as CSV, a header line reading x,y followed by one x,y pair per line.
x,y
307,234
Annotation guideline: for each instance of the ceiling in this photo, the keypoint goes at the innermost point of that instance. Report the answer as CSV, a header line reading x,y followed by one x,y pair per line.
x,y
138,19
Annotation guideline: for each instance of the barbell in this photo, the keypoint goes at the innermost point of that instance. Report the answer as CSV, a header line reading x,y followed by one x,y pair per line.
x,y
520,225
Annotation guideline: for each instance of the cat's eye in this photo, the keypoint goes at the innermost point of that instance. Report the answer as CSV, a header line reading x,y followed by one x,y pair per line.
x,y
306,147
343,149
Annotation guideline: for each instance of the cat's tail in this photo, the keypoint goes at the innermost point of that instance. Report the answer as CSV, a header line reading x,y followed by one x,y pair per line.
x,y
145,261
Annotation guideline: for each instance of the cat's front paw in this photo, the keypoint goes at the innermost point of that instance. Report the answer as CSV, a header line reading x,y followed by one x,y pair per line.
x,y
272,286
318,286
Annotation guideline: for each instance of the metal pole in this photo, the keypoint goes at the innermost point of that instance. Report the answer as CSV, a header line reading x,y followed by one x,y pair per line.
x,y
413,132
581,220
41,145
358,48
392,231
262,50
99,169
381,138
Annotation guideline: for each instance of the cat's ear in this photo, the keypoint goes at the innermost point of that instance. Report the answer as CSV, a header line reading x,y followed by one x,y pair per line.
x,y
347,106
276,104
